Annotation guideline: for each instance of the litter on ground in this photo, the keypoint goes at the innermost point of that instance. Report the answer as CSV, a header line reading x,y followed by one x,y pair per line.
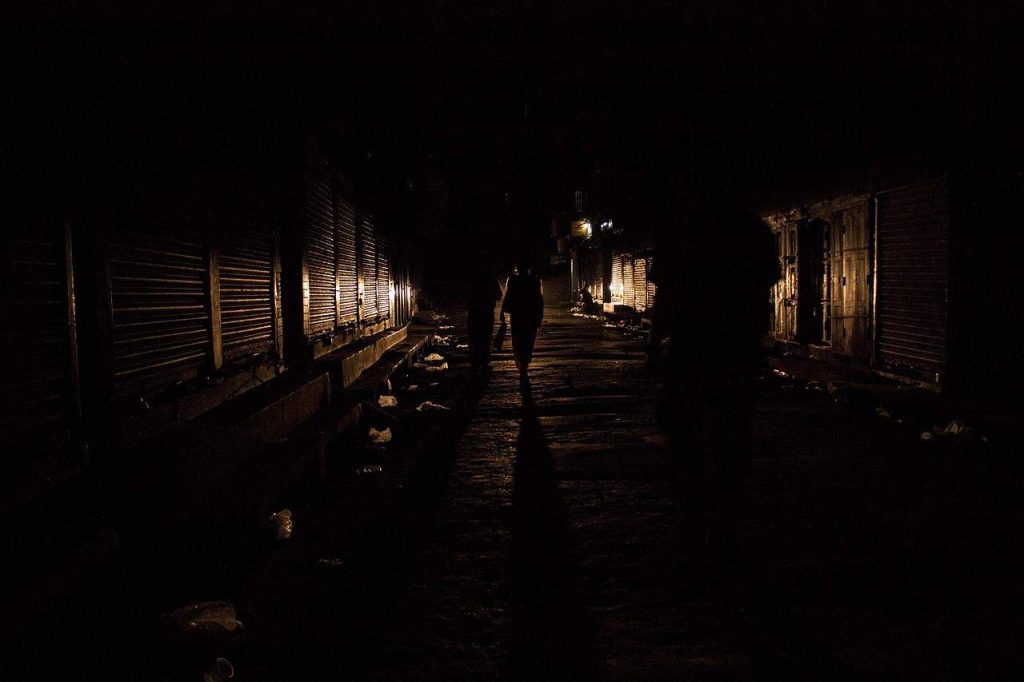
x,y
381,436
427,406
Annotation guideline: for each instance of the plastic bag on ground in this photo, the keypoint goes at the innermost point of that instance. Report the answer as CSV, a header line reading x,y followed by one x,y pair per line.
x,y
380,436
427,406
387,401
433,357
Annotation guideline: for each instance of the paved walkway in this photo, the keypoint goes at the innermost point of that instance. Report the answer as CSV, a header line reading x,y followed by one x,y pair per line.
x,y
559,547
562,541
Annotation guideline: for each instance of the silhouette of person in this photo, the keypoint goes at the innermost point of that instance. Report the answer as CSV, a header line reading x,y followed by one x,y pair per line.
x,y
482,295
524,304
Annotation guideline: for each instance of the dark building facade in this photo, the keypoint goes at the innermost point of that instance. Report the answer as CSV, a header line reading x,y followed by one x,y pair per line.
x,y
897,280
158,293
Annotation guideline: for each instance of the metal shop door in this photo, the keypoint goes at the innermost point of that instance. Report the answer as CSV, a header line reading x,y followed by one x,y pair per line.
x,y
913,277
849,285
40,402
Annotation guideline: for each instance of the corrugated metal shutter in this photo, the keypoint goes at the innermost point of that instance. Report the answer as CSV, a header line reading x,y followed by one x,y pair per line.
x,y
36,402
159,310
651,291
640,284
913,273
368,263
383,281
348,282
319,253
628,292
246,293
616,285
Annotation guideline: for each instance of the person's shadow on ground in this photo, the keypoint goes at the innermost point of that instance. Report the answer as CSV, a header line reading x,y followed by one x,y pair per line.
x,y
553,635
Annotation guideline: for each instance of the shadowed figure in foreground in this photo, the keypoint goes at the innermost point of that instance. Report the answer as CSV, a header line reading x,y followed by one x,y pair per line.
x,y
713,306
553,637
524,304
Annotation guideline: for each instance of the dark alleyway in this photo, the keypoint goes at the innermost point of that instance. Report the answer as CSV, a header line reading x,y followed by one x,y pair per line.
x,y
565,543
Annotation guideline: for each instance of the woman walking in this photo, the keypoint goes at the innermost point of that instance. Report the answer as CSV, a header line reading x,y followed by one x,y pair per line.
x,y
524,304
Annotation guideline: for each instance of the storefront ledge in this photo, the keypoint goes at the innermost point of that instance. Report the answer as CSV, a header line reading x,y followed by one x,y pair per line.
x,y
345,365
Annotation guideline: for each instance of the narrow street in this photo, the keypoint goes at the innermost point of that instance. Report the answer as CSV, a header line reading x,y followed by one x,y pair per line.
x,y
245,433
566,543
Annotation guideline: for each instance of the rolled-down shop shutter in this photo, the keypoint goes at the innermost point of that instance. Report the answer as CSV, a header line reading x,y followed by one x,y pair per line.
x,y
348,282
640,284
368,265
246,261
159,310
616,284
627,281
319,252
913,269
383,280
37,406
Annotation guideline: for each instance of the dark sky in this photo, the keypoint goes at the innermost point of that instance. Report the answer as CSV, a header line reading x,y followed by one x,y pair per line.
x,y
777,100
